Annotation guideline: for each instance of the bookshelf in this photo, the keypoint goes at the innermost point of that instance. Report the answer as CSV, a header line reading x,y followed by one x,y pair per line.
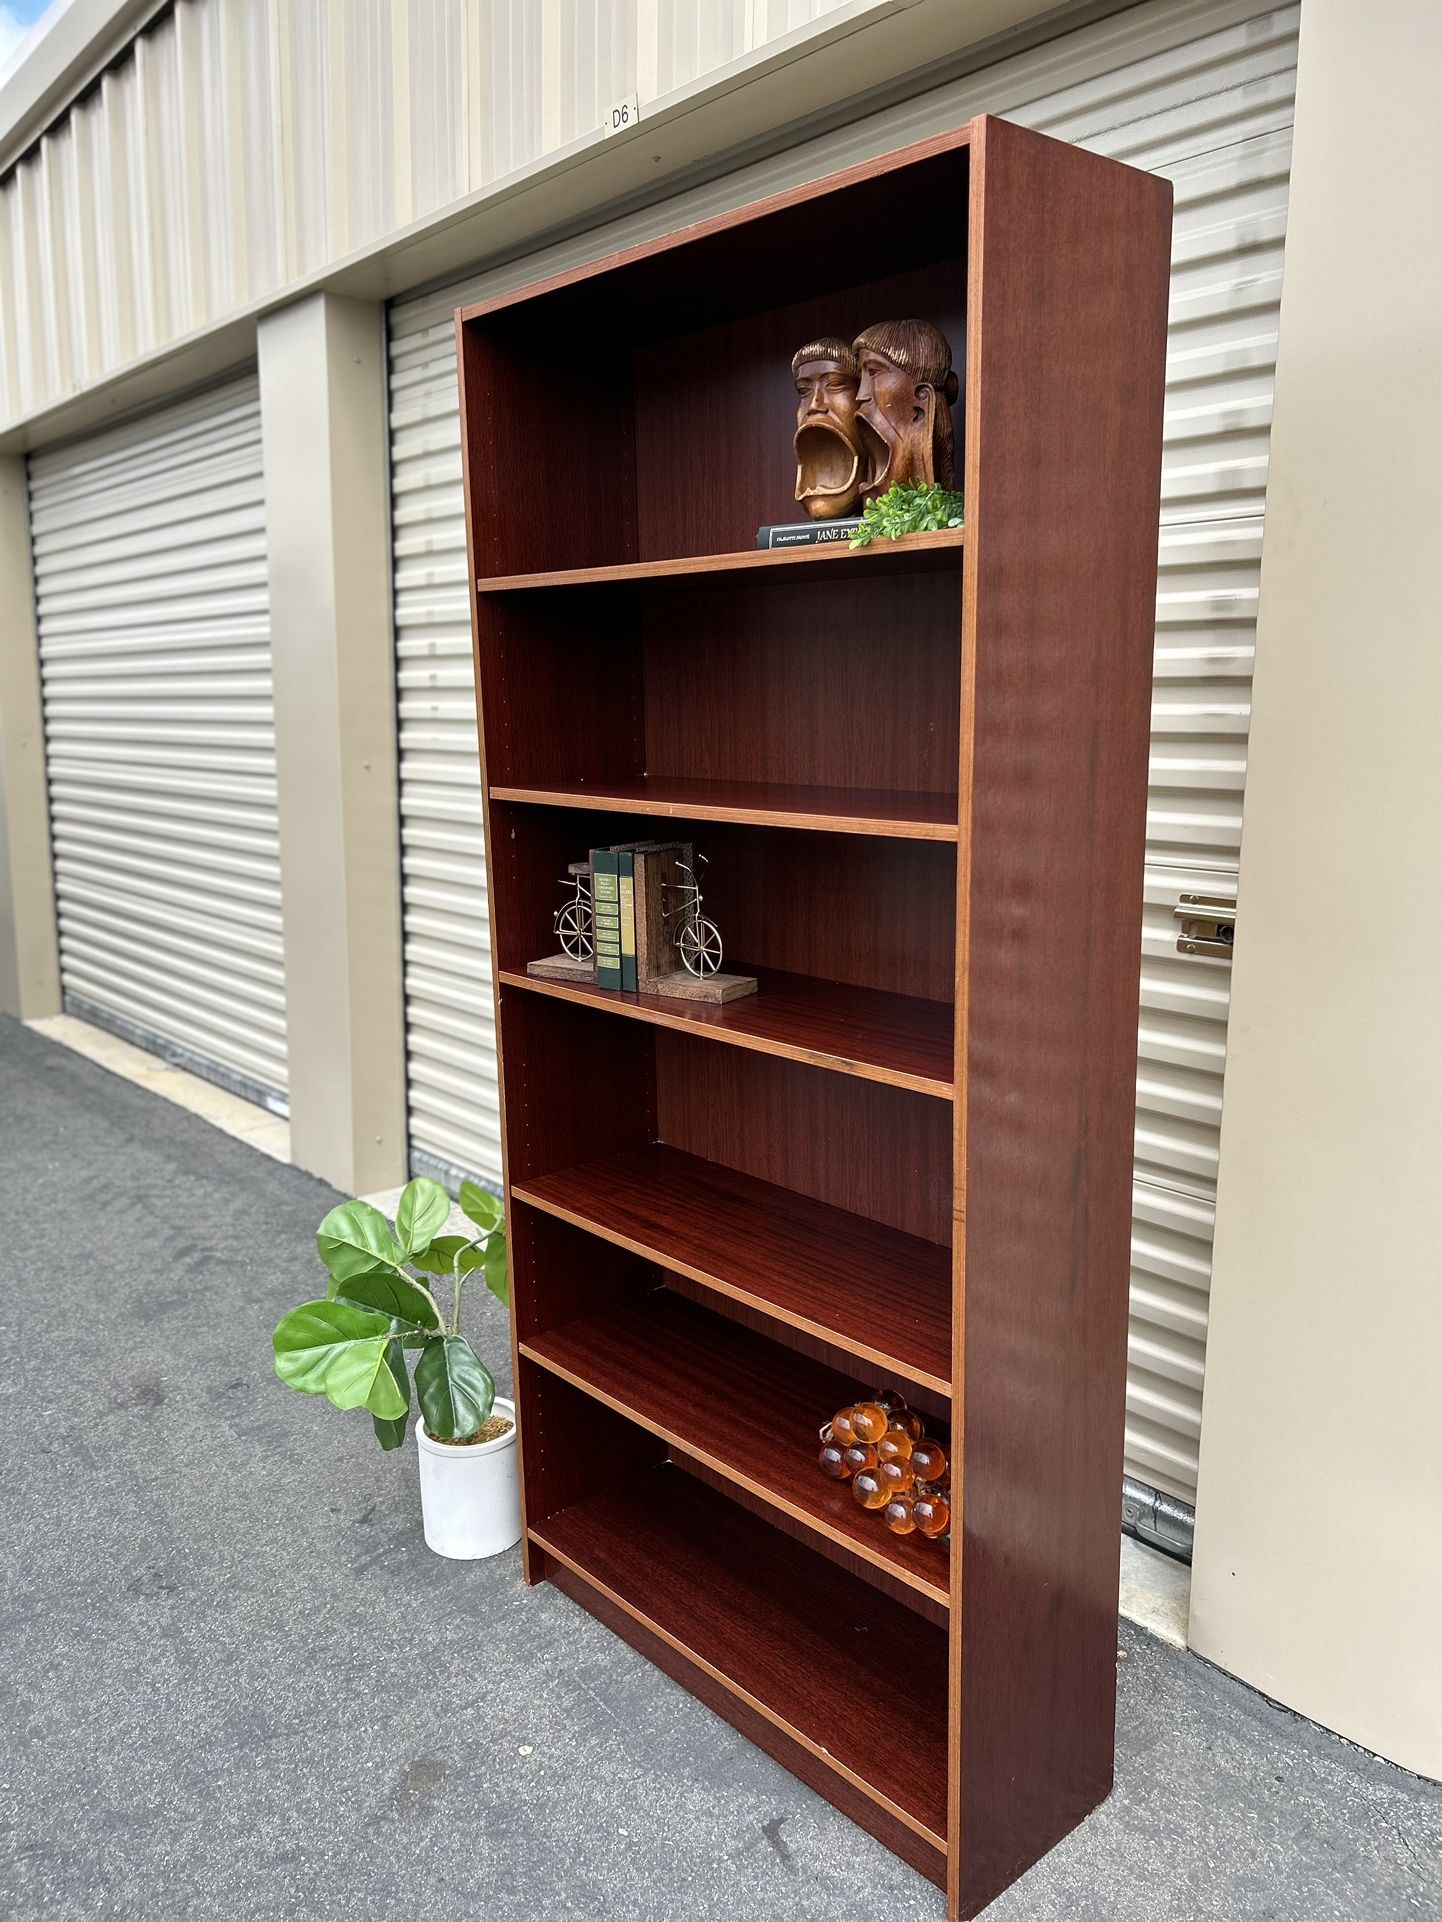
x,y
919,774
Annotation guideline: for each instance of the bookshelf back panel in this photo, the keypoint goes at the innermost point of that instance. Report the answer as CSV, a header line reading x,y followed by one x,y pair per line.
x,y
580,1085
716,409
926,1401
859,909
560,1273
873,1150
843,683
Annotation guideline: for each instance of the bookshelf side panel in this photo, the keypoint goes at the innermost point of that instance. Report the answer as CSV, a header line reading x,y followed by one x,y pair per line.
x,y
1065,378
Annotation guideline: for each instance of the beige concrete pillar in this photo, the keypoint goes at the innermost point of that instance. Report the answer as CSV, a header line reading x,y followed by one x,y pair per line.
x,y
1318,1574
323,422
29,959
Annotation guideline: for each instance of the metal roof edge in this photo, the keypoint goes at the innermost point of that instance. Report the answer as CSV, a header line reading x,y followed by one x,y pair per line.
x,y
64,57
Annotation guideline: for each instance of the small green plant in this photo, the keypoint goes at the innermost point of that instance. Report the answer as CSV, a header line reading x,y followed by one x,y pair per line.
x,y
909,507
352,1346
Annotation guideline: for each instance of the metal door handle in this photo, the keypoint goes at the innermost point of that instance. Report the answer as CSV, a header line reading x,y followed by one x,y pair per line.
x,y
1208,924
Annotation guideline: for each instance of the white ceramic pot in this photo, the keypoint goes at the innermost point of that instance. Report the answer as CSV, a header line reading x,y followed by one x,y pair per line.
x,y
470,1499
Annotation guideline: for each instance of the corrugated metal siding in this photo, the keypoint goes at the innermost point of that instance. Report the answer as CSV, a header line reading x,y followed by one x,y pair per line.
x,y
153,614
241,145
1203,93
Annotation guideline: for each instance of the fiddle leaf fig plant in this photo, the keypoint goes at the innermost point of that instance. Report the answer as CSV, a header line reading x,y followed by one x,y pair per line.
x,y
908,507
352,1347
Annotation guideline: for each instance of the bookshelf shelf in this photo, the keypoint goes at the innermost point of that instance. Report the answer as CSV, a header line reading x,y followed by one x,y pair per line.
x,y
812,1267
895,1038
917,552
918,773
852,1676
682,1372
913,817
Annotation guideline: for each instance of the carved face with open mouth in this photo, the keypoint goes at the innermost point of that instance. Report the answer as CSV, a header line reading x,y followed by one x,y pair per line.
x,y
828,448
903,405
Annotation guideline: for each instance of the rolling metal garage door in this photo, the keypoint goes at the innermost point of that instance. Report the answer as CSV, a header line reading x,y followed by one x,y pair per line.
x,y
1194,89
150,583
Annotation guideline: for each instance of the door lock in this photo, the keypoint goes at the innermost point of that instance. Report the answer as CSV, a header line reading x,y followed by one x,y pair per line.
x,y
1208,924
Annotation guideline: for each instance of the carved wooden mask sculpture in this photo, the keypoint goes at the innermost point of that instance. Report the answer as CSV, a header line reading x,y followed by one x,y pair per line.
x,y
903,405
828,443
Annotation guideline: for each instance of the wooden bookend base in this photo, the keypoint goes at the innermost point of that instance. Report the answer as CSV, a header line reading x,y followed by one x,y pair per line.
x,y
561,967
685,986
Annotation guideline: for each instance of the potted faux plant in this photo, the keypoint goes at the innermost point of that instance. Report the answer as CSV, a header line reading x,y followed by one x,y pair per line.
x,y
354,1348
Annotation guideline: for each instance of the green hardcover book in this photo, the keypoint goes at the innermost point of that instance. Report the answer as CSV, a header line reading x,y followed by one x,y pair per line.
x,y
606,913
626,889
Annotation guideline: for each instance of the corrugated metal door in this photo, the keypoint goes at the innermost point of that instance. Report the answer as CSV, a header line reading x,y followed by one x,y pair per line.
x,y
1200,90
153,614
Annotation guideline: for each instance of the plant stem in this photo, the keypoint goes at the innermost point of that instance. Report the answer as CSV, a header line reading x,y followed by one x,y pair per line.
x,y
459,1279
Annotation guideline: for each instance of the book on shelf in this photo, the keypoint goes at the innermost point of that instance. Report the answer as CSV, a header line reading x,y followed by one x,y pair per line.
x,y
606,917
657,868
626,891
807,533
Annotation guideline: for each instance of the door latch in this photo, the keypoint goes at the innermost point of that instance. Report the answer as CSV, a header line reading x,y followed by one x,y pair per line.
x,y
1209,924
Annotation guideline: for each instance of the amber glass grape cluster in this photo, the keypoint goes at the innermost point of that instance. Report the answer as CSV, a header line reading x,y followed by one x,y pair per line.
x,y
881,1447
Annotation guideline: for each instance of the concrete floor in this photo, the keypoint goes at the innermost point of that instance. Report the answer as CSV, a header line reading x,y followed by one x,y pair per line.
x,y
236,1685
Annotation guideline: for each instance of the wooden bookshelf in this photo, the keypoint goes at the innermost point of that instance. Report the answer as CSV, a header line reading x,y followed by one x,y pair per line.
x,y
919,774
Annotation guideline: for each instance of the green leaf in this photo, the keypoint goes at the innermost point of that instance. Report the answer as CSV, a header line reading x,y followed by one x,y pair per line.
x,y
333,1349
498,1278
479,1205
908,507
356,1239
411,1306
391,1429
440,1257
454,1388
423,1208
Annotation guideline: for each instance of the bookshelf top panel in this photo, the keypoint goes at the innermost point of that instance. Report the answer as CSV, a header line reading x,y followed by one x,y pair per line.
x,y
772,245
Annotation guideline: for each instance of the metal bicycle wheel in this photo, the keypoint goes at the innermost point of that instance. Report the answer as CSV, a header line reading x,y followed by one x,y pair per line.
x,y
700,945
573,924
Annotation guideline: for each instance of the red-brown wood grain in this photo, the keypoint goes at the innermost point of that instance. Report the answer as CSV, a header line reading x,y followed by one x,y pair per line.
x,y
788,1125
922,1854
674,797
930,553
1069,274
731,384
816,1267
854,1676
857,910
900,796
607,685
792,667
930,1403
895,1038
739,1404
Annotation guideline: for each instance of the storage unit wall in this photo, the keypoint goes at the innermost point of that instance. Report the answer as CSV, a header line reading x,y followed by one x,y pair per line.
x,y
919,773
